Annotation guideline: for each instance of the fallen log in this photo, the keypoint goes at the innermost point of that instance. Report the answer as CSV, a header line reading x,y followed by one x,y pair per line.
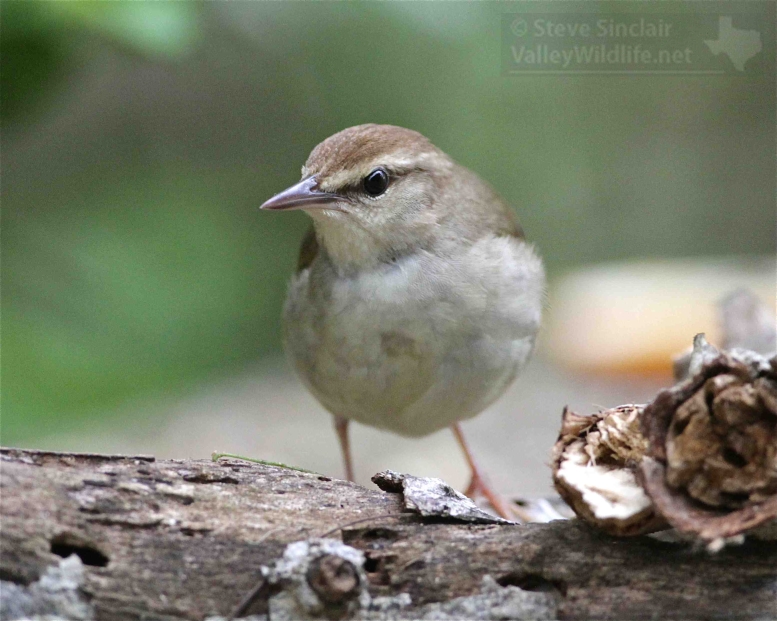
x,y
137,538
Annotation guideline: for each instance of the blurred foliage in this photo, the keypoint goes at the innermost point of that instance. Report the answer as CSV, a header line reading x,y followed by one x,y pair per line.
x,y
37,44
139,138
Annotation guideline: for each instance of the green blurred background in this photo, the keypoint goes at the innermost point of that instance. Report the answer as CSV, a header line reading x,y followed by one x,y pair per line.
x,y
139,138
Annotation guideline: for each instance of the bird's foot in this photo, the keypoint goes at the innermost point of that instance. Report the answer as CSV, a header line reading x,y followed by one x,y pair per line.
x,y
478,486
501,506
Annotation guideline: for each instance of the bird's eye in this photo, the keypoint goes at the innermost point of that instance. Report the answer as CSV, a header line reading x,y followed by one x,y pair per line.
x,y
376,182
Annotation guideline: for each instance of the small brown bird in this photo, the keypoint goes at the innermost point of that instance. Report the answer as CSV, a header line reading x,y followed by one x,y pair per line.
x,y
416,301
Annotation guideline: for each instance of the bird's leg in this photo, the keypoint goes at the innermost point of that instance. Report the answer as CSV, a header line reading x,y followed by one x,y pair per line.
x,y
341,426
478,484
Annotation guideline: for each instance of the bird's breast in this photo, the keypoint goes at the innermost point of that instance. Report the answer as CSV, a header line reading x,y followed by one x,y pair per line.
x,y
416,345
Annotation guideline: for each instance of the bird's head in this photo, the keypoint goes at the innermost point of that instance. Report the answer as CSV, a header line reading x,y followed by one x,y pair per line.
x,y
376,193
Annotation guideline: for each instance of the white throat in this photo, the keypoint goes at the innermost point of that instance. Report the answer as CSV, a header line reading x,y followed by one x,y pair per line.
x,y
350,246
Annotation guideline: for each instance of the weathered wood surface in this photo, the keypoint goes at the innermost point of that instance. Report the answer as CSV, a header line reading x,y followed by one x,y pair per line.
x,y
185,539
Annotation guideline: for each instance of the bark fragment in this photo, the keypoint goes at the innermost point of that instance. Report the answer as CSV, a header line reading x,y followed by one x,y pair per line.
x,y
712,467
431,497
594,463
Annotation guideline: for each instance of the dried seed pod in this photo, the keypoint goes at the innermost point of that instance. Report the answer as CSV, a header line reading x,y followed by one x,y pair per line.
x,y
711,465
594,461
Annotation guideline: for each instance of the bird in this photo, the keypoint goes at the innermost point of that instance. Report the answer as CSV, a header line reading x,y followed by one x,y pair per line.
x,y
417,299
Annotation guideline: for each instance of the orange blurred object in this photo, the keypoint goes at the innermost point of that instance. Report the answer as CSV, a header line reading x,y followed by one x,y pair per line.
x,y
634,317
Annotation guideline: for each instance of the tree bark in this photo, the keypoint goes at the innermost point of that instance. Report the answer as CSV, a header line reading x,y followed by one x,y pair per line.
x,y
185,539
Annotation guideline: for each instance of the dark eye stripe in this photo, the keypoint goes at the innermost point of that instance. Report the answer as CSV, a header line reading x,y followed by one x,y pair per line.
x,y
376,182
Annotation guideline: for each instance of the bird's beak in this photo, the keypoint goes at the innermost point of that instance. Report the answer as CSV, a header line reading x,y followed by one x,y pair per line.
x,y
304,195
